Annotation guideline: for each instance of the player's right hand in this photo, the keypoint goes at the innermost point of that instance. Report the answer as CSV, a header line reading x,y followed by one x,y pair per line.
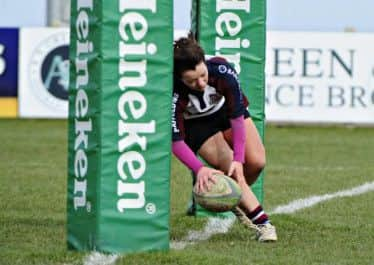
x,y
205,178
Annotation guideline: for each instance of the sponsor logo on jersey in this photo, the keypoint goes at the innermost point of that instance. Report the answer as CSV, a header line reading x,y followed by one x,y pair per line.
x,y
173,120
222,69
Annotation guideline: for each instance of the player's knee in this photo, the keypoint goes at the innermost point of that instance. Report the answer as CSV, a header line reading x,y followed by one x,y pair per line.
x,y
224,158
226,154
259,163
254,167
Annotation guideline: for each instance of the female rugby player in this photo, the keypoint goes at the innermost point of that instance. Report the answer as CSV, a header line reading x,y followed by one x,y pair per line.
x,y
211,119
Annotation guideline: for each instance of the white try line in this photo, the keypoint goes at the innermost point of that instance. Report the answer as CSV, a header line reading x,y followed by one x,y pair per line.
x,y
221,226
300,204
216,226
97,258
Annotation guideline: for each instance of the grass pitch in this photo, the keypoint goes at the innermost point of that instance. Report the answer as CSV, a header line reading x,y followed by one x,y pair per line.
x,y
301,162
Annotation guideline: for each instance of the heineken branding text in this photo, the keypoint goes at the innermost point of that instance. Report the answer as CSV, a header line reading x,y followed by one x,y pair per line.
x,y
119,125
228,27
132,104
83,124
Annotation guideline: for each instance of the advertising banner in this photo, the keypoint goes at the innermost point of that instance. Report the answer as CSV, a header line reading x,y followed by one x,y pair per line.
x,y
119,125
320,77
236,30
8,72
43,72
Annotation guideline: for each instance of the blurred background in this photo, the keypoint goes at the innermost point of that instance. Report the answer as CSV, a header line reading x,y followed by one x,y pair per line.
x,y
319,71
319,62
318,15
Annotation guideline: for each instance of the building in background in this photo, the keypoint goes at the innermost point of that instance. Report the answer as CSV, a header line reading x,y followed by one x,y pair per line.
x,y
58,13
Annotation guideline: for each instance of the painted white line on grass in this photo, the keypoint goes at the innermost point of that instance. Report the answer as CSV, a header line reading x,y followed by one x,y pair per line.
x,y
97,258
313,200
214,226
312,168
221,226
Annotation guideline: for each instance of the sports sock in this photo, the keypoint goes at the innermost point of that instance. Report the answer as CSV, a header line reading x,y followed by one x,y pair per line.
x,y
258,216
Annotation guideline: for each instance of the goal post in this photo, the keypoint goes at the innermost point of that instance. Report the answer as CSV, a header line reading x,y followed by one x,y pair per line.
x,y
236,30
119,136
119,126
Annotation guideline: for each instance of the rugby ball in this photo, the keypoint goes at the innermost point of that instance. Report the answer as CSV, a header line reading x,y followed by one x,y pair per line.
x,y
223,195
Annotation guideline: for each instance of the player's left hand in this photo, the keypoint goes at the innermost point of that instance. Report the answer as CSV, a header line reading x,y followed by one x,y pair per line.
x,y
236,171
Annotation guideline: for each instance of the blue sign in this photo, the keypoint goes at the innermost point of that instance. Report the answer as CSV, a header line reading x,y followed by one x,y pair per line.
x,y
55,72
8,62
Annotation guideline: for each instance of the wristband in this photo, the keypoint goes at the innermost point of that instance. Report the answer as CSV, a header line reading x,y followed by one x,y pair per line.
x,y
184,153
238,138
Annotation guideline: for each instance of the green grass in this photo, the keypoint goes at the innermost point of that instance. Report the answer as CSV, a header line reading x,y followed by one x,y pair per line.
x,y
301,161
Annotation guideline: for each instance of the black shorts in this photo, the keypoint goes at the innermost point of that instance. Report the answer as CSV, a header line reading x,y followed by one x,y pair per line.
x,y
198,130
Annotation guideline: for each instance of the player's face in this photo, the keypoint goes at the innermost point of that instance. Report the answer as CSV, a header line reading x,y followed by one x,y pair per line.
x,y
196,79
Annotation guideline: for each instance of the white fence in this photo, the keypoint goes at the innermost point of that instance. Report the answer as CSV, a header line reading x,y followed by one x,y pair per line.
x,y
310,77
320,77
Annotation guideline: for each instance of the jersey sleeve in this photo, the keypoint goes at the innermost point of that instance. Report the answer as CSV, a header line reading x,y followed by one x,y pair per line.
x,y
186,156
238,138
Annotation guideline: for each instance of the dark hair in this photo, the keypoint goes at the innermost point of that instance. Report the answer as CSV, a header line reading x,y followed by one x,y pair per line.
x,y
187,54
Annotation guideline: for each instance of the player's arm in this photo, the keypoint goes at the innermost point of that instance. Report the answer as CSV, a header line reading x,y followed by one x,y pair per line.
x,y
236,105
238,140
182,151
204,175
